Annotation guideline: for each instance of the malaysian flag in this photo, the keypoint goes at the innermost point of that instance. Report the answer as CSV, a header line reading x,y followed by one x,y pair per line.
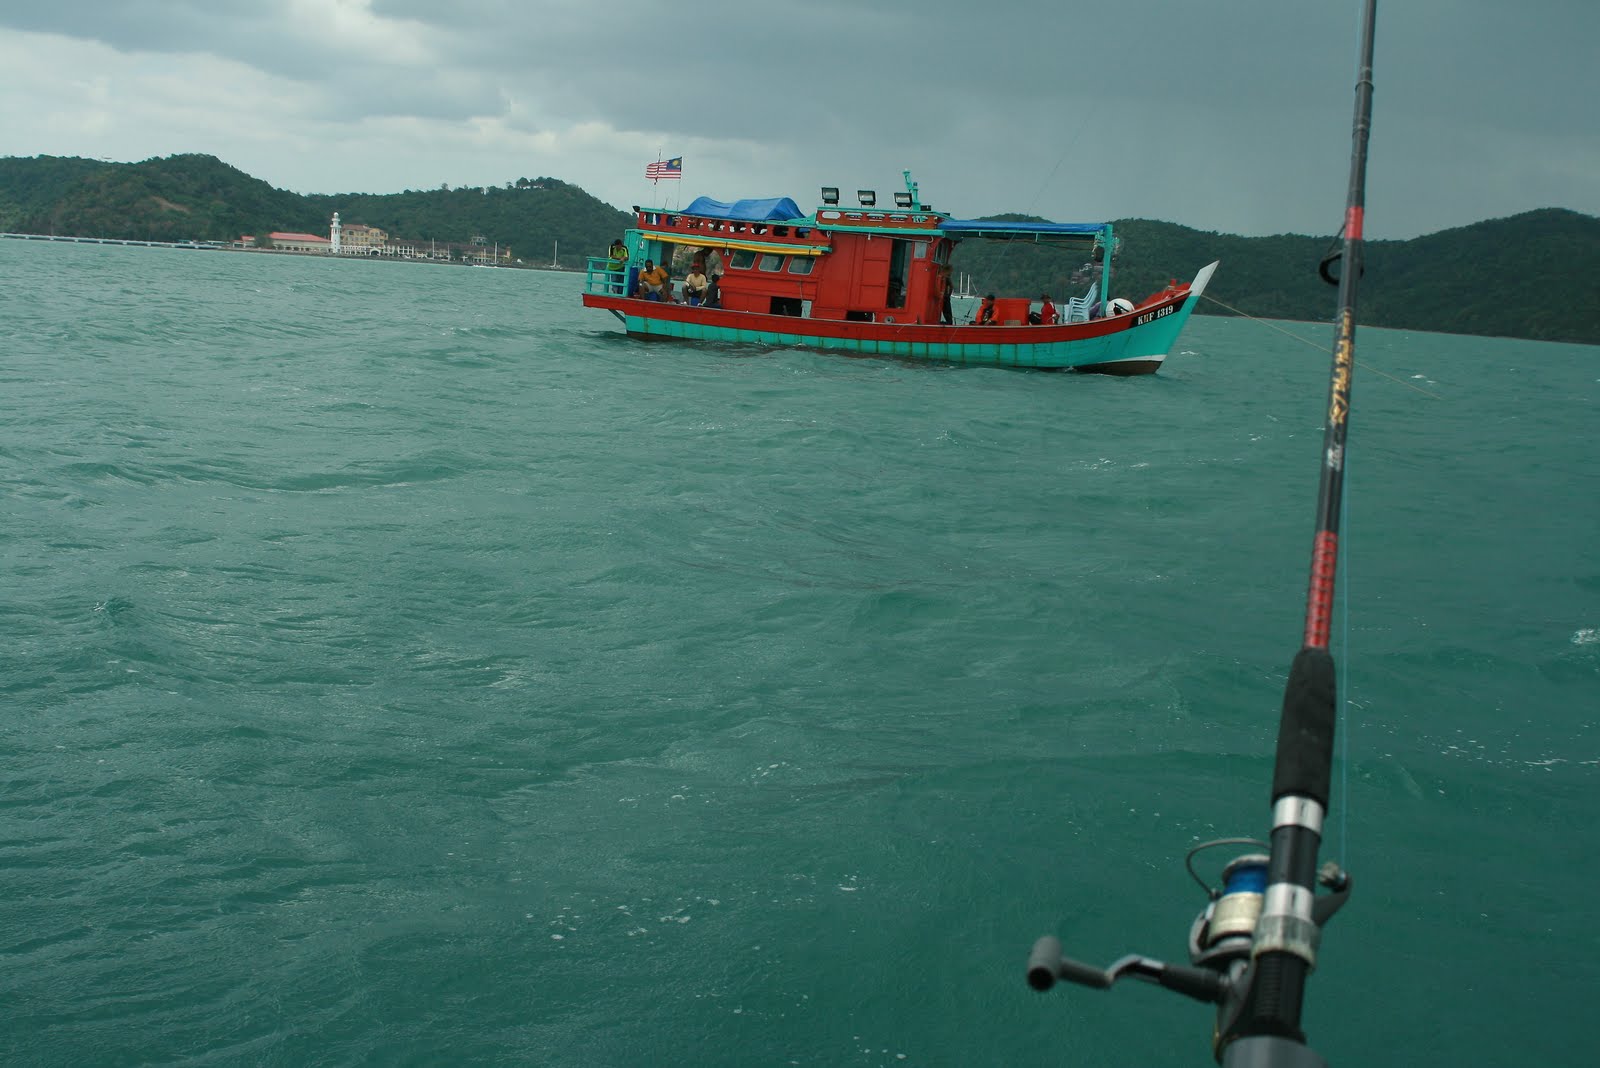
x,y
672,168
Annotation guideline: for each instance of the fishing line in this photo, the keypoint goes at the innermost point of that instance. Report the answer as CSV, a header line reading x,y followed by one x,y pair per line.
x,y
1005,247
1344,679
1344,592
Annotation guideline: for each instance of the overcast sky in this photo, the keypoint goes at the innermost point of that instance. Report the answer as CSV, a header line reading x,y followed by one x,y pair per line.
x,y
1230,115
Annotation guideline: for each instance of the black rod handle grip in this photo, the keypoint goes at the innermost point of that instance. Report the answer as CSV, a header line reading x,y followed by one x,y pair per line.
x,y
1304,766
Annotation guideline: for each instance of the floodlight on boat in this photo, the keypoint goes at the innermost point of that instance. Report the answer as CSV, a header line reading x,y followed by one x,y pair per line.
x,y
902,200
868,197
830,194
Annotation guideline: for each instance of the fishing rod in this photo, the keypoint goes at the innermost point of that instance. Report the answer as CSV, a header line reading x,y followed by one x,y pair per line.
x,y
1254,946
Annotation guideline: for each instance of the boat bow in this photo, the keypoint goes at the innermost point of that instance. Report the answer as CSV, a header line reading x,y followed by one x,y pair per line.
x,y
1202,279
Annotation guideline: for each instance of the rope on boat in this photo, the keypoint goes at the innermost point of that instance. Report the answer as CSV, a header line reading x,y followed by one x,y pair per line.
x,y
1319,346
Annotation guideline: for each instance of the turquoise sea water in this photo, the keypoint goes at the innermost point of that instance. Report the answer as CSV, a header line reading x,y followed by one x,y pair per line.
x,y
402,667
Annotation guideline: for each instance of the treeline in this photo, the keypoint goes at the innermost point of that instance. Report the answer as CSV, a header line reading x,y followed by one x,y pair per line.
x,y
1529,276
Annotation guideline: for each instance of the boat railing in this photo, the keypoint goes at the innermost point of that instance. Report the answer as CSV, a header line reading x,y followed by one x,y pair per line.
x,y
598,277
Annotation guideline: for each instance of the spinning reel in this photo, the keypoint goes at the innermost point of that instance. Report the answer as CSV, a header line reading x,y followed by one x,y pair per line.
x,y
1221,942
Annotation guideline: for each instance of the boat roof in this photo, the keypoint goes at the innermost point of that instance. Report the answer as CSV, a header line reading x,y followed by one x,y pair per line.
x,y
990,226
771,209
1055,233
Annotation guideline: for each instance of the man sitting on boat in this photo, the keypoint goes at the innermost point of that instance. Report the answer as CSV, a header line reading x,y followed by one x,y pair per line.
x,y
1046,315
694,285
986,311
653,282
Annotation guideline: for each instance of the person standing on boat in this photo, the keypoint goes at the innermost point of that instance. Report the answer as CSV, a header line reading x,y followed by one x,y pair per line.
x,y
986,311
946,314
714,265
616,260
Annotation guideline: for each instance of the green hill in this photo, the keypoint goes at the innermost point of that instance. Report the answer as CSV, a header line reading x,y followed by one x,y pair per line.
x,y
1529,276
174,199
195,197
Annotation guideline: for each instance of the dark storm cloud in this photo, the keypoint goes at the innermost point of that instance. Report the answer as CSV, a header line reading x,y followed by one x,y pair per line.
x,y
255,33
1224,115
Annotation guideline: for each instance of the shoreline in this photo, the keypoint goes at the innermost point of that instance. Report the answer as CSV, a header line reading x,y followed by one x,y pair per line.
x,y
220,246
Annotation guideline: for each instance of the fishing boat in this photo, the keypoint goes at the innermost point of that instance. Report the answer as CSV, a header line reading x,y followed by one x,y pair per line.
x,y
872,281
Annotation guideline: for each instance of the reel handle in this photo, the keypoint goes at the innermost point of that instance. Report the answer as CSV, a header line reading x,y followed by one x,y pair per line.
x,y
1046,965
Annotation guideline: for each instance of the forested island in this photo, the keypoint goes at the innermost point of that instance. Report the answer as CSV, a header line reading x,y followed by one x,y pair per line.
x,y
1529,276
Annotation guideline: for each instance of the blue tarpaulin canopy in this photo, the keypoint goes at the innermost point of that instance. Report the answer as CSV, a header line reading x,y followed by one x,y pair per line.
x,y
776,209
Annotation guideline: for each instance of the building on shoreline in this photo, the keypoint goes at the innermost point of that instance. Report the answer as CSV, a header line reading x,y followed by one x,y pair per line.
x,y
291,242
358,239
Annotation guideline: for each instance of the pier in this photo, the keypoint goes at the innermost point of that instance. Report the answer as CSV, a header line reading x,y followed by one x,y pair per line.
x,y
117,241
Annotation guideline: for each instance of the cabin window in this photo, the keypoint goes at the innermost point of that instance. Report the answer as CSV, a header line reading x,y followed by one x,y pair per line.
x,y
919,250
771,262
800,264
743,259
